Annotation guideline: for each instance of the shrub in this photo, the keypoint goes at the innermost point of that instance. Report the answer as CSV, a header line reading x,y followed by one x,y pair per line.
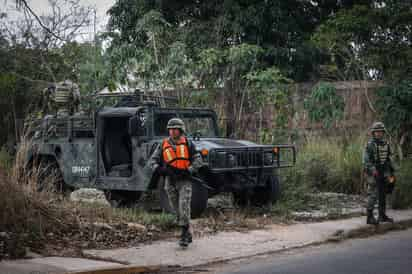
x,y
402,195
328,165
26,214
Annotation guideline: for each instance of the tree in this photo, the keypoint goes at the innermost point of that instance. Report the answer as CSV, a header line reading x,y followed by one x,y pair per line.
x,y
324,105
223,41
31,58
370,40
394,103
269,87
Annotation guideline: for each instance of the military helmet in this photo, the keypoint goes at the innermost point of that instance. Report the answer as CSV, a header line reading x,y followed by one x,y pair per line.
x,y
377,126
176,123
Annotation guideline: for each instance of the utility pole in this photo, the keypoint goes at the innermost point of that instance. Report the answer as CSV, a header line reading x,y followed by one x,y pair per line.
x,y
95,51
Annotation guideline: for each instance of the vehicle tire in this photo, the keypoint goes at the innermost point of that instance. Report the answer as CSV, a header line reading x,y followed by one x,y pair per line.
x,y
122,198
267,194
240,198
198,201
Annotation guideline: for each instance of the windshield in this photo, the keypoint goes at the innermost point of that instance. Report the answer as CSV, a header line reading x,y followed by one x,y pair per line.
x,y
204,125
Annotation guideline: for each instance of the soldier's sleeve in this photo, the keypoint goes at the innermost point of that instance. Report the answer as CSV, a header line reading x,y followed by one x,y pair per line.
x,y
195,157
368,160
156,158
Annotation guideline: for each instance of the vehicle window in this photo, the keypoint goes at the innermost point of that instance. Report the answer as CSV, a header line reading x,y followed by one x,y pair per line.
x,y
203,124
160,123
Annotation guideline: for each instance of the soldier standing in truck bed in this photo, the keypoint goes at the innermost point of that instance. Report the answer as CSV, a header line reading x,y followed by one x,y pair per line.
x,y
61,99
379,172
177,159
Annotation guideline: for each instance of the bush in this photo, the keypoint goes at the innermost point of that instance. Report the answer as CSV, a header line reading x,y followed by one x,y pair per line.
x,y
27,215
402,195
328,165
322,165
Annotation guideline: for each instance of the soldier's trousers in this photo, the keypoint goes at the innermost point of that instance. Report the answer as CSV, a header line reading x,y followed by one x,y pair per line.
x,y
376,192
179,192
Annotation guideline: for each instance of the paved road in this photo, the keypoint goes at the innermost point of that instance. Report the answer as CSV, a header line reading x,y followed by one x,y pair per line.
x,y
384,254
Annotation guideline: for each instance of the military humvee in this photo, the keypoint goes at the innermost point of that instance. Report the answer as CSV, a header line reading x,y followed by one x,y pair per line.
x,y
110,150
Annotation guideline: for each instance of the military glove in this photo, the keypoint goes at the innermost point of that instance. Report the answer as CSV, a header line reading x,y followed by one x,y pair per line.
x,y
164,171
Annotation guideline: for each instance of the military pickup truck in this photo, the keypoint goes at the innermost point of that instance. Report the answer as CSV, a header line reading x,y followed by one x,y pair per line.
x,y
110,150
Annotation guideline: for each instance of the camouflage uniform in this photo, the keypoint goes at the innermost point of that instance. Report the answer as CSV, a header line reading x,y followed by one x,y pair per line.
x,y
62,99
178,184
378,168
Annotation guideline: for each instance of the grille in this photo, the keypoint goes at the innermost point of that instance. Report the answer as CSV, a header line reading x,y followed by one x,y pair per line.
x,y
241,158
247,158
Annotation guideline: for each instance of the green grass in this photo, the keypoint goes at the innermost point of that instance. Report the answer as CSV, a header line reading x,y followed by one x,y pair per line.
x,y
163,221
330,165
322,164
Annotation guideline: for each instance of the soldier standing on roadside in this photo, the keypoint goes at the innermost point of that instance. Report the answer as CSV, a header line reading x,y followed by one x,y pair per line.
x,y
379,171
177,159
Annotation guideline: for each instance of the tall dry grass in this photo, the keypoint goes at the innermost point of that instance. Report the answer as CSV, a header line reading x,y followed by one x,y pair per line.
x,y
323,164
26,214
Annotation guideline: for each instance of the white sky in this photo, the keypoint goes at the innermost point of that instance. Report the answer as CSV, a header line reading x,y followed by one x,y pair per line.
x,y
42,7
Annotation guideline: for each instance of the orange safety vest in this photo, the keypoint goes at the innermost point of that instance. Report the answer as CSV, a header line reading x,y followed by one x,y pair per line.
x,y
178,158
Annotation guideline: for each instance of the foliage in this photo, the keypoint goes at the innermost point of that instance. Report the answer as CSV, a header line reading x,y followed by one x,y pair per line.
x,y
31,58
325,105
280,28
219,44
328,165
269,87
369,40
394,102
402,196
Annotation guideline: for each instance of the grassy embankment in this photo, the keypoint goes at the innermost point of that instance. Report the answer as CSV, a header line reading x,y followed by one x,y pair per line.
x,y
329,165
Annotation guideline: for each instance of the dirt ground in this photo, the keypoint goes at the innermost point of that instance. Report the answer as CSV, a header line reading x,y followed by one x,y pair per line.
x,y
104,228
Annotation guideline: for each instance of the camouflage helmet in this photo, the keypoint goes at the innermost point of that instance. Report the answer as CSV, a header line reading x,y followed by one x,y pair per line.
x,y
176,123
377,126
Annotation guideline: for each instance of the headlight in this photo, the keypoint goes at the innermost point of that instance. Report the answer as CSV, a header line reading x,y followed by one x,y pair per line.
x,y
204,152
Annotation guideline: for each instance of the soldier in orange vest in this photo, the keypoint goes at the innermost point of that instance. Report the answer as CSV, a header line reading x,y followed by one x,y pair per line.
x,y
177,159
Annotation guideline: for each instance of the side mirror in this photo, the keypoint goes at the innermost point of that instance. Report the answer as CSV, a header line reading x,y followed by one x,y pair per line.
x,y
135,127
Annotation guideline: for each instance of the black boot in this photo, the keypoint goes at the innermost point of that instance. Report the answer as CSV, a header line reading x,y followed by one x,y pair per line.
x,y
385,219
371,220
382,212
185,237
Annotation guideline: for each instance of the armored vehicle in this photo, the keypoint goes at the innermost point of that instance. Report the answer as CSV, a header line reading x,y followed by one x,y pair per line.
x,y
110,150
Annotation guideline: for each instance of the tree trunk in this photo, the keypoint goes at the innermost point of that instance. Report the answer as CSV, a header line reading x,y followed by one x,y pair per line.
x,y
229,109
400,146
260,124
16,130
